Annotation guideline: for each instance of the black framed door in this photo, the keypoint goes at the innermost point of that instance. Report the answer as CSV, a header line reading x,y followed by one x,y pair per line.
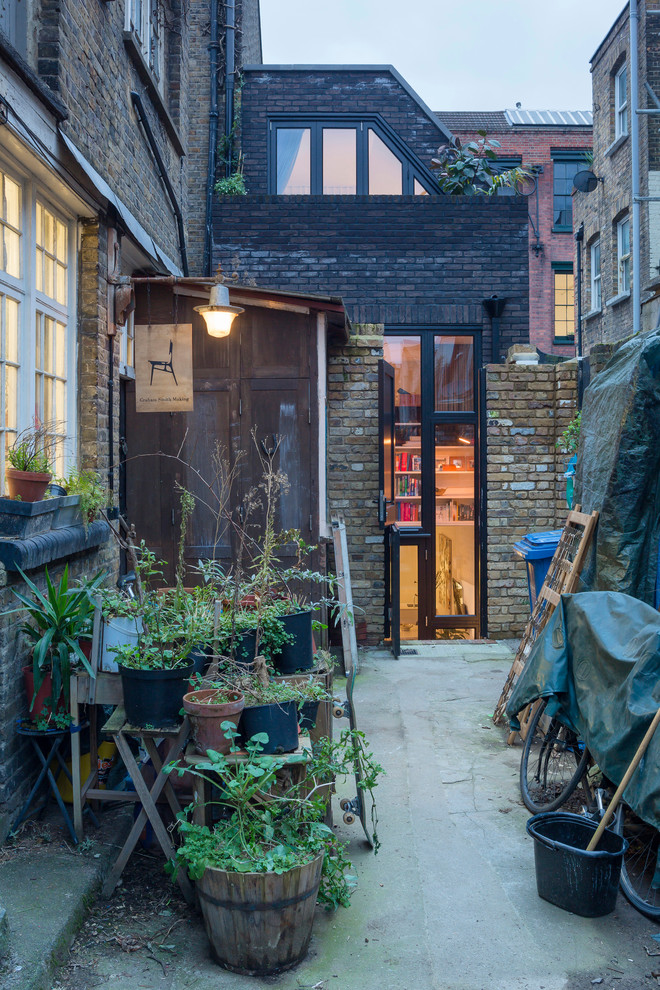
x,y
436,475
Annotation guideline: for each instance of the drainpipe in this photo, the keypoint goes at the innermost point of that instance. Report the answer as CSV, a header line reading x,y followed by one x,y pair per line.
x,y
494,307
230,66
214,47
579,238
162,171
634,147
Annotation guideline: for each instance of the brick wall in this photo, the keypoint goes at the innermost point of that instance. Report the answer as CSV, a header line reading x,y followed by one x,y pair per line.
x,y
527,409
353,468
396,260
534,145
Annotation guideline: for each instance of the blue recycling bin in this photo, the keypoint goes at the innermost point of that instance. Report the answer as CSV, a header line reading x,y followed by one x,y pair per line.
x,y
537,550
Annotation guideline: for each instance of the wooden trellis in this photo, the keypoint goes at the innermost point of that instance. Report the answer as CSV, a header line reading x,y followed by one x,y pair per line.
x,y
561,579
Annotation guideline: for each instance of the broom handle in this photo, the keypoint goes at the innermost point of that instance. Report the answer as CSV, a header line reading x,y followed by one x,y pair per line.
x,y
605,820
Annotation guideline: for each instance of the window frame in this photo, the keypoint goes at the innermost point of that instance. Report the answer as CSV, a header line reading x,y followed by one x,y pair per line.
x,y
623,260
150,26
620,108
562,268
412,168
572,156
33,302
595,278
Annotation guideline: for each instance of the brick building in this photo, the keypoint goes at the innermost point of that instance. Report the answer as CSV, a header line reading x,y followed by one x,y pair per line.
x,y
554,143
611,245
104,169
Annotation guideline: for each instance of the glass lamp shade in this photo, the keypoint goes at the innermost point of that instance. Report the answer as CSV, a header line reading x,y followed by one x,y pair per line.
x,y
219,315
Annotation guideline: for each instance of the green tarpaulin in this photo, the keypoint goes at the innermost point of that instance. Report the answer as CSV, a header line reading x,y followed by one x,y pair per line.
x,y
598,660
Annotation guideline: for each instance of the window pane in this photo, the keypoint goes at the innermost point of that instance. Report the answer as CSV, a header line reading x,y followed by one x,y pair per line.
x,y
404,354
11,396
293,161
12,204
564,305
563,174
49,232
38,345
625,237
60,289
49,280
11,330
385,169
48,412
61,242
454,374
12,253
49,339
339,161
454,519
419,189
39,270
60,350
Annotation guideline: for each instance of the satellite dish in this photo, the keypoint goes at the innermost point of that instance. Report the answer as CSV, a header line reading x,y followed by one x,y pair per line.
x,y
585,181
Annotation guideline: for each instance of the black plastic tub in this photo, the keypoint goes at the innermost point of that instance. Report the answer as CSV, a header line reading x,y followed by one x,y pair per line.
x,y
307,714
298,654
578,881
279,721
245,648
154,697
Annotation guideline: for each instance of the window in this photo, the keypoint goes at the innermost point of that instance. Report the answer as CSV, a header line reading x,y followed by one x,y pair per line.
x,y
143,20
564,301
563,172
127,347
13,23
621,103
37,350
596,298
342,155
623,256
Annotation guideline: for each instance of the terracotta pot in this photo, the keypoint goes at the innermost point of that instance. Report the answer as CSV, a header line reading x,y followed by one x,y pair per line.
x,y
206,718
30,486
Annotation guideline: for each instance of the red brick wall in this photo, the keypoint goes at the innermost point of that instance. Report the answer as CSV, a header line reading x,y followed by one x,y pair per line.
x,y
533,144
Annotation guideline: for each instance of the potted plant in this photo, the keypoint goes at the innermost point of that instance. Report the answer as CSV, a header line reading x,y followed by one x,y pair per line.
x,y
85,498
56,622
259,870
154,676
209,710
272,707
29,472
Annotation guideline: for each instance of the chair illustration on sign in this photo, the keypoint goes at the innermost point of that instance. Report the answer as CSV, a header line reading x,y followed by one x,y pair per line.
x,y
165,366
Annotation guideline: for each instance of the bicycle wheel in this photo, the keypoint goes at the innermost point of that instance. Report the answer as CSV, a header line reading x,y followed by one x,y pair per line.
x,y
639,883
553,762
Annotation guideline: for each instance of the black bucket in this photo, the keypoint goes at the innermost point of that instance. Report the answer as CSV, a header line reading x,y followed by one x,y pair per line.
x,y
279,721
298,654
582,882
154,697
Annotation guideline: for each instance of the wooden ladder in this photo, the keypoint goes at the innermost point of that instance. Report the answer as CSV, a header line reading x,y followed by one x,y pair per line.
x,y
562,579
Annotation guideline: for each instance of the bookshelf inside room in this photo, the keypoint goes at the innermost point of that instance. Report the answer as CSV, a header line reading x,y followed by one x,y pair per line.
x,y
408,459
454,519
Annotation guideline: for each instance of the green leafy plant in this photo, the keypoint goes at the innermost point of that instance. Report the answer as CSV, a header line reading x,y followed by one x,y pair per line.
x,y
232,185
32,450
271,827
570,437
94,495
469,169
56,621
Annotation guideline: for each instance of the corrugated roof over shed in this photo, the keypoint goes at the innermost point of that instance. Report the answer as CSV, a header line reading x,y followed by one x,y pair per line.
x,y
549,118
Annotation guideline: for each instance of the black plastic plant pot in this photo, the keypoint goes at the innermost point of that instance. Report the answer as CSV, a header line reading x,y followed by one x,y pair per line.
x,y
307,715
298,654
279,721
199,658
154,697
245,648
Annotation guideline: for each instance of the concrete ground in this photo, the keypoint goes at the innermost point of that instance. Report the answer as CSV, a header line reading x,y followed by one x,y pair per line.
x,y
449,903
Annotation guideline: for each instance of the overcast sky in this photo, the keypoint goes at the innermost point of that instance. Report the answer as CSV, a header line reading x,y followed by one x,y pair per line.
x,y
482,55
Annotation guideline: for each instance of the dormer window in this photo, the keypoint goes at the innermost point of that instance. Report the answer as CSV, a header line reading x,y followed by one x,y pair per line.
x,y
342,156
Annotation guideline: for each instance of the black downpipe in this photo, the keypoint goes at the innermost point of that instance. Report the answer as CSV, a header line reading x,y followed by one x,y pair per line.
x,y
230,59
111,412
483,502
213,137
579,237
139,109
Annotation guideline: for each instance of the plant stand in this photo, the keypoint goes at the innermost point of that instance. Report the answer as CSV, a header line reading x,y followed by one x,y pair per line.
x,y
120,729
47,745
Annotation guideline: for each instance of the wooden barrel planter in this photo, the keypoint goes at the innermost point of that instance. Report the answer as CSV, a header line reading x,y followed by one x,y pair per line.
x,y
260,923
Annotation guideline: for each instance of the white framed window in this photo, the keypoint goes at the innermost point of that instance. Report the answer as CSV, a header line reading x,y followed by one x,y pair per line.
x,y
596,297
37,318
127,347
621,102
143,20
623,255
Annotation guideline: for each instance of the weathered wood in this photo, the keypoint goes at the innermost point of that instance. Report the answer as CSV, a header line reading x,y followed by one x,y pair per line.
x,y
260,923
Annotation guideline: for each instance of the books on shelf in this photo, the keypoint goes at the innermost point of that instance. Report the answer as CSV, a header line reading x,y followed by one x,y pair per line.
x,y
407,484
408,512
451,511
404,460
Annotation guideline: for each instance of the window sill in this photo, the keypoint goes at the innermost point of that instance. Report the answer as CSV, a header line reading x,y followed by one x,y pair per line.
x,y
35,551
593,312
562,230
149,80
616,145
568,341
615,300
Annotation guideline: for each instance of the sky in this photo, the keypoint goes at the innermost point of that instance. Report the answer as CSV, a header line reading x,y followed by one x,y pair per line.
x,y
478,55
